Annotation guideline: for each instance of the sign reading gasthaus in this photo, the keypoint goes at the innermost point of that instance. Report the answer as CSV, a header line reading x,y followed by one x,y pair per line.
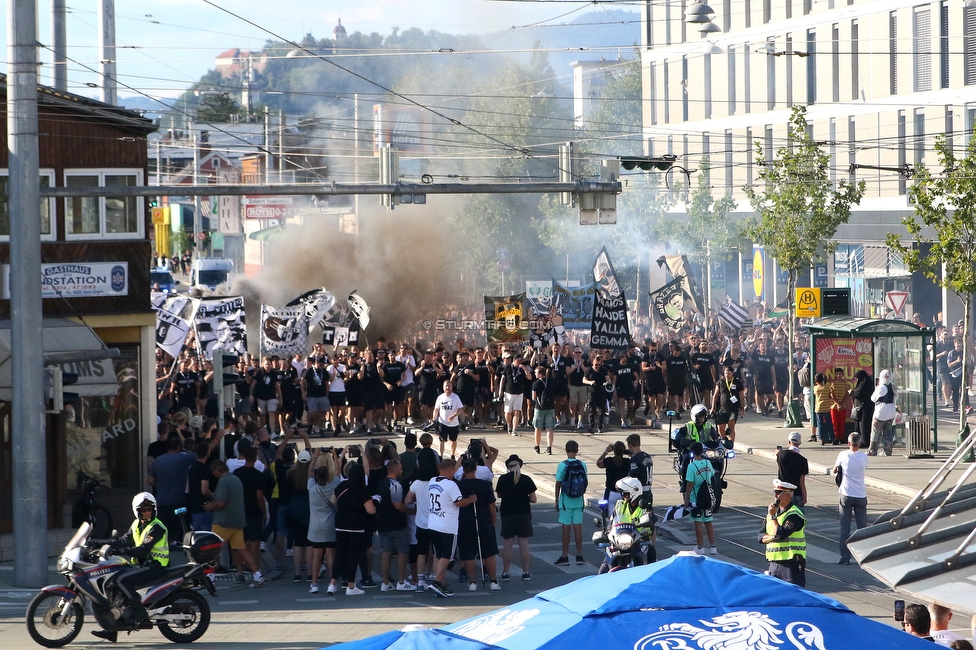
x,y
90,279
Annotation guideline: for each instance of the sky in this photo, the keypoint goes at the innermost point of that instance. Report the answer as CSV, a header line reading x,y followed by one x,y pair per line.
x,y
165,45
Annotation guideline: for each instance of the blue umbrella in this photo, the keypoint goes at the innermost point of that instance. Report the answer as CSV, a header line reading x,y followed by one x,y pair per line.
x,y
682,603
415,639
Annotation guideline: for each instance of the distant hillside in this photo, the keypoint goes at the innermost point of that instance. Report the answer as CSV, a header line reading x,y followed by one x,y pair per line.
x,y
153,109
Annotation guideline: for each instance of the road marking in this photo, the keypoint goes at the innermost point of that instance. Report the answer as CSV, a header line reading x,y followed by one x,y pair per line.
x,y
420,604
238,602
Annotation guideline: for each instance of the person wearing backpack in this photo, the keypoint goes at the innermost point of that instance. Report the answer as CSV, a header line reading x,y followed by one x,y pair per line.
x,y
571,482
700,497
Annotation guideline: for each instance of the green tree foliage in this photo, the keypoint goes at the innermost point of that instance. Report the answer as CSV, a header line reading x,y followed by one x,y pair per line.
x,y
942,231
798,208
218,107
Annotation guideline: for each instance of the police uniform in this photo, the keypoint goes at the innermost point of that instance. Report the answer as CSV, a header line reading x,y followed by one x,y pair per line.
x,y
786,551
148,543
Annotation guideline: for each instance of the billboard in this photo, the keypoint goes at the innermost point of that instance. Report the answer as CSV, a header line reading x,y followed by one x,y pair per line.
x,y
407,128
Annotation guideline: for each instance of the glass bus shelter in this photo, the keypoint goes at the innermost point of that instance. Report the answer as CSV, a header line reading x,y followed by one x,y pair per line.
x,y
873,345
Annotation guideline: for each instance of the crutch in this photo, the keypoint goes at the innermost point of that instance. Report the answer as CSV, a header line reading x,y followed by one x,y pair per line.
x,y
477,531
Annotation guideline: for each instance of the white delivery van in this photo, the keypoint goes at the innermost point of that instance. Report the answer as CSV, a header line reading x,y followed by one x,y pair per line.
x,y
208,272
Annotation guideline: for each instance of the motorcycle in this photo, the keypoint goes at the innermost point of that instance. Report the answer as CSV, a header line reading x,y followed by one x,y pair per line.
x,y
622,543
173,604
717,452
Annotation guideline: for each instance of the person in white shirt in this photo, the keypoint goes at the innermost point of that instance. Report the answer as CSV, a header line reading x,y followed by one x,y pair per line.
x,y
851,464
447,408
446,502
941,615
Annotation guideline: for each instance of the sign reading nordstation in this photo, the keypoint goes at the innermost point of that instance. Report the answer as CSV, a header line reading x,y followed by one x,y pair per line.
x,y
79,280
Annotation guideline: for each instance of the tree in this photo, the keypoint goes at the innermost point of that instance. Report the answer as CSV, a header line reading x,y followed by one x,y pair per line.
x,y
945,205
217,107
798,211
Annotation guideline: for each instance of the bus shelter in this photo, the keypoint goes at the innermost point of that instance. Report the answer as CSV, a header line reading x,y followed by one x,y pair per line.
x,y
874,345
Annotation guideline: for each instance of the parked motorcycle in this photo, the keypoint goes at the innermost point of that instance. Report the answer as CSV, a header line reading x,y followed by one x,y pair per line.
x,y
622,543
173,604
717,452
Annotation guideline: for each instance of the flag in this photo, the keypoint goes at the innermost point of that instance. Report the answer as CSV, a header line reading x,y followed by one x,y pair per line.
x,y
678,265
574,303
340,328
318,303
733,314
669,303
171,324
284,330
359,308
505,318
609,328
781,310
219,323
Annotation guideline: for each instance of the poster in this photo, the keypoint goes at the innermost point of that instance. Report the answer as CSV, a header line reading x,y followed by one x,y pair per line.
x,y
575,304
850,354
219,323
505,319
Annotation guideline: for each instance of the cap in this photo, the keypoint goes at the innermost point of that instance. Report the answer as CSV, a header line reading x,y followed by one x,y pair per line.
x,y
514,458
783,485
795,437
196,421
304,456
506,355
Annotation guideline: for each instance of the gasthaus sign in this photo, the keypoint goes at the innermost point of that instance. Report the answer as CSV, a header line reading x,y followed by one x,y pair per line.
x,y
88,280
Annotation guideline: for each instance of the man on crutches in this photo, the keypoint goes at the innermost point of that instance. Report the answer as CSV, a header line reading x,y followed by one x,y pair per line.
x,y
476,528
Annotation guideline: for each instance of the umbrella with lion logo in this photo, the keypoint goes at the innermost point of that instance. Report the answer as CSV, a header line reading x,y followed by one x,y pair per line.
x,y
683,603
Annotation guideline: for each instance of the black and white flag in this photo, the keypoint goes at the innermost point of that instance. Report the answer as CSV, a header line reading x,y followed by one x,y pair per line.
x,y
669,303
317,303
610,328
733,314
219,323
284,330
359,308
341,328
173,323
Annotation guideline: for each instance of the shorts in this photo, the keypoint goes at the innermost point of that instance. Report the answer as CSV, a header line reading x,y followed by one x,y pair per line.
x,y
764,384
428,397
423,543
353,397
397,541
544,418
704,515
676,387
322,544
317,404
467,398
267,405
561,390
233,536
467,545
625,391
578,394
654,385
373,400
724,417
570,516
410,390
397,395
446,433
443,544
253,528
482,395
517,526
513,403
298,533
202,521
337,399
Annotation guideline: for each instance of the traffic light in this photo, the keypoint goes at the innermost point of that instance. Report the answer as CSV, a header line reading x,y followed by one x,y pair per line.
x,y
648,163
154,202
55,379
224,380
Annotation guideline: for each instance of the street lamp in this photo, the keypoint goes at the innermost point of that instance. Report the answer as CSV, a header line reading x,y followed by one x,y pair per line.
x,y
699,13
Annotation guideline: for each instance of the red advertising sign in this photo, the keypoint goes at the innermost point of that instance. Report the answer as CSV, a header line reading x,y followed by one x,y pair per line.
x,y
850,354
267,207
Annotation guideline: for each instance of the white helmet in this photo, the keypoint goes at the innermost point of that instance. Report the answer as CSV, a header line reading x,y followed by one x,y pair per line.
x,y
698,409
140,499
630,486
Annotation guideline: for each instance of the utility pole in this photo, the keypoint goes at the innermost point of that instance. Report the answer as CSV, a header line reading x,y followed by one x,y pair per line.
x,y
29,471
197,209
106,51
59,44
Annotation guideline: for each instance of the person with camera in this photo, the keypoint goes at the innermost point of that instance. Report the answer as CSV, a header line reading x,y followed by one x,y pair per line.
x,y
543,396
447,410
918,622
483,454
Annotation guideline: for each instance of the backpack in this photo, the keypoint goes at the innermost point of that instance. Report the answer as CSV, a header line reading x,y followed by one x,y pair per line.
x,y
705,497
803,376
575,480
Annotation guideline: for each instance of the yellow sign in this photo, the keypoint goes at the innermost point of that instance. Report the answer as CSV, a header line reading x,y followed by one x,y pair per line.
x,y
808,303
758,268
160,216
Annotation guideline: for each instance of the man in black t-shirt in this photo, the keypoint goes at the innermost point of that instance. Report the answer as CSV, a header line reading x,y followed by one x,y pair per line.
x,y
187,386
394,372
516,493
543,396
315,392
578,391
200,483
482,395
676,376
513,380
465,380
762,372
703,364
597,378
426,377
391,524
626,387
652,374
266,391
254,506
793,468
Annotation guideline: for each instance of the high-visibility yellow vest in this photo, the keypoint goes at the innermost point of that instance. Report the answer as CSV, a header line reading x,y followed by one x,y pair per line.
x,y
795,544
160,549
695,434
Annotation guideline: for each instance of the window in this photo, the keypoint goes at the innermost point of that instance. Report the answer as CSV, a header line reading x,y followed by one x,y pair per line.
x,y
922,50
835,62
947,129
851,151
943,44
902,153
832,149
47,205
667,22
789,9
681,19
748,12
919,137
667,93
684,88
767,11
708,86
768,144
649,25
811,67
653,93
749,149
726,16
855,62
789,70
746,79
731,73
969,45
729,160
86,216
771,76
808,6
970,123
893,52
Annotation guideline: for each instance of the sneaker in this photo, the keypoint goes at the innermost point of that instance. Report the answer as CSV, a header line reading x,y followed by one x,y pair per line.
x,y
289,552
297,578
355,591
239,577
404,586
548,451
367,583
525,576
562,561
712,550
387,586
331,590
699,550
536,449
495,586
264,547
513,433
437,589
314,589
580,561
409,420
257,581
472,586
421,585
222,570
506,577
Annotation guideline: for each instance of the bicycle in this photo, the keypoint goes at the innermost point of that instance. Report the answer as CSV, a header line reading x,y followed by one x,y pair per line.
x,y
90,510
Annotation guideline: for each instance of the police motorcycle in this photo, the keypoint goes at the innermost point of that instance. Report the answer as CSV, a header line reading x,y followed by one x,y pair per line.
x,y
623,542
716,451
173,603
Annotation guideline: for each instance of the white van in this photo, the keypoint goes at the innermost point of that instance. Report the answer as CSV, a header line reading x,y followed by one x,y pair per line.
x,y
208,272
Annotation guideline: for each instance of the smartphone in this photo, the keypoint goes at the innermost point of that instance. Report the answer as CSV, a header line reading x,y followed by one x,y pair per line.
x,y
899,610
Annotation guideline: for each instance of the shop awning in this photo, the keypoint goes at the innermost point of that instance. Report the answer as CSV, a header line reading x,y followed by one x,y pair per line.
x,y
76,349
268,234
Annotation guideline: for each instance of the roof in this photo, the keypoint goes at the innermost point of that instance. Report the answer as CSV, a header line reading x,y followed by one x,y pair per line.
x,y
229,54
72,103
854,326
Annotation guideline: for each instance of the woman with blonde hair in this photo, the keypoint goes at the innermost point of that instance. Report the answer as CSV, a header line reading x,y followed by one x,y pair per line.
x,y
321,524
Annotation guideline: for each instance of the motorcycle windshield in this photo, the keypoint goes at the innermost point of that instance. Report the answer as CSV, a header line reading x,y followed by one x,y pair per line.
x,y
80,536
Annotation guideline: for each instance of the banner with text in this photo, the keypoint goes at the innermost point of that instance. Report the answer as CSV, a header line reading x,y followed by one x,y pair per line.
x,y
575,304
284,330
609,329
219,322
850,354
506,319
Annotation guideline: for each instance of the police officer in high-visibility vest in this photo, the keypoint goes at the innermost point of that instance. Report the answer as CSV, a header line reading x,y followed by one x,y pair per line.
x,y
147,542
697,430
784,537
